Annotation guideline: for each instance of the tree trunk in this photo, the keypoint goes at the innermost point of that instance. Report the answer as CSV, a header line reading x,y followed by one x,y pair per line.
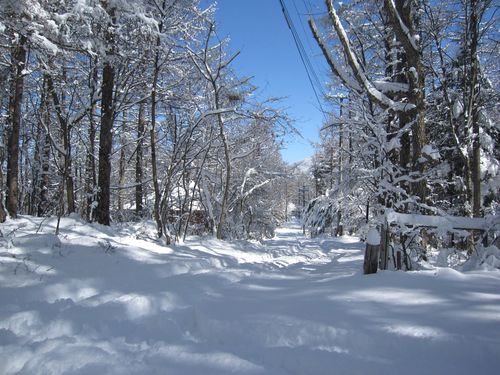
x,y
403,22
43,199
401,19
66,136
43,204
473,114
121,164
66,140
24,168
225,197
227,158
152,133
37,157
121,178
105,145
156,72
18,62
90,172
139,161
105,134
70,183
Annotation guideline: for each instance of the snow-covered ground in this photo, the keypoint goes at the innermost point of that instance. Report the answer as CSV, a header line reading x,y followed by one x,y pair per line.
x,y
99,300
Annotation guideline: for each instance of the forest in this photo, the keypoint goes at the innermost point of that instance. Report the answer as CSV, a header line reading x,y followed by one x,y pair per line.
x,y
417,131
150,224
120,111
124,110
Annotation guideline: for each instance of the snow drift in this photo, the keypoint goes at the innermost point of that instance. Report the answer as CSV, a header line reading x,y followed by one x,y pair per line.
x,y
100,300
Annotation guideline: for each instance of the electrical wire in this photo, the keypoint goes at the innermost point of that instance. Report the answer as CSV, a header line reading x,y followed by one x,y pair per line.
x,y
300,47
311,73
313,70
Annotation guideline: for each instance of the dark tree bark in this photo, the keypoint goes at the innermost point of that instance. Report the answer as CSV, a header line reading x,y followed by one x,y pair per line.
x,y
473,110
18,62
43,204
36,167
43,200
105,134
105,145
152,134
24,168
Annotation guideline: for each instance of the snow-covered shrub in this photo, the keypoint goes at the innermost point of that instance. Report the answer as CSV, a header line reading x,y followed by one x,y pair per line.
x,y
487,258
318,215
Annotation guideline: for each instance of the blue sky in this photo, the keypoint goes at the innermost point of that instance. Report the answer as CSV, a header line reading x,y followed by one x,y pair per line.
x,y
258,29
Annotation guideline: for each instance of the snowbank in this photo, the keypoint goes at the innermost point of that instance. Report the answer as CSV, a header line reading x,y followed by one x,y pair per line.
x,y
100,300
484,259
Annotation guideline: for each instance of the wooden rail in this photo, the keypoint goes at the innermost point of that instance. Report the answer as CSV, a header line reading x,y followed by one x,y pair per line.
x,y
444,223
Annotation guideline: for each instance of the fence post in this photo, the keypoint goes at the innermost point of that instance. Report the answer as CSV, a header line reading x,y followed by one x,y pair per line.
x,y
384,247
398,260
370,264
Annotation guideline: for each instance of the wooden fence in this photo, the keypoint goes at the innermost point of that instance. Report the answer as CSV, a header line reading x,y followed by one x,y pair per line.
x,y
443,223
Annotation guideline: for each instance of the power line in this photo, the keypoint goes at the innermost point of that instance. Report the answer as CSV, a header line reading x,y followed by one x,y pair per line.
x,y
300,20
308,6
300,47
313,70
311,74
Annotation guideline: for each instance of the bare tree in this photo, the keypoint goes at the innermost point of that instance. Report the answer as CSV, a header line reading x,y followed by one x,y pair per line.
x,y
410,107
213,75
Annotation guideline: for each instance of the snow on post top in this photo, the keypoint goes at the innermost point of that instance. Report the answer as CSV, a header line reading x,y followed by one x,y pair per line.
x,y
373,237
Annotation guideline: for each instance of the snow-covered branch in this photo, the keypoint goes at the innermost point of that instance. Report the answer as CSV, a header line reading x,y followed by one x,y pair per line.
x,y
362,81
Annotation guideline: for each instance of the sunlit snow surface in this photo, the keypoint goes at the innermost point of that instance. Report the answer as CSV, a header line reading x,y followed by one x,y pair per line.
x,y
99,300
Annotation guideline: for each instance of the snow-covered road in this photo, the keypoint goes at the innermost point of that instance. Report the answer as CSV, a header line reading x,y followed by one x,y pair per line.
x,y
102,300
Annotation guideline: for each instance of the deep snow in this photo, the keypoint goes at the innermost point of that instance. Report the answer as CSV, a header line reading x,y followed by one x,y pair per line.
x,y
99,300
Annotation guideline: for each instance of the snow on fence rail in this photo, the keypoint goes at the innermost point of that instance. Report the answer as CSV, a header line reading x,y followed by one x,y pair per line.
x,y
443,223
